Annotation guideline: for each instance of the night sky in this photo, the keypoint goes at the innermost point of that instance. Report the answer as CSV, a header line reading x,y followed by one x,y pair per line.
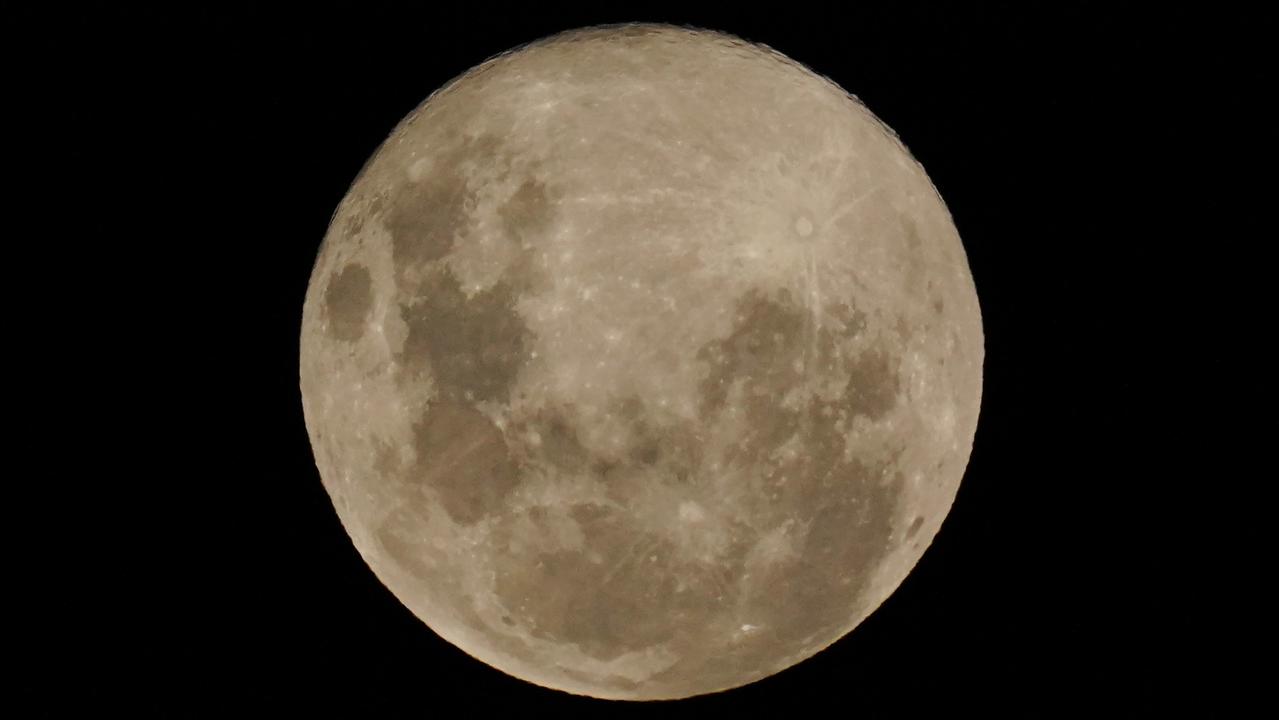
x,y
179,556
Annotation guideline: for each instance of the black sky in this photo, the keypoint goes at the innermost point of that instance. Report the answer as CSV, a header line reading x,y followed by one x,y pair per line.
x,y
180,557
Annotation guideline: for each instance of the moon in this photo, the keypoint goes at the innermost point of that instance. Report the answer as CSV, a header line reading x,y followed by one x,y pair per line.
x,y
641,362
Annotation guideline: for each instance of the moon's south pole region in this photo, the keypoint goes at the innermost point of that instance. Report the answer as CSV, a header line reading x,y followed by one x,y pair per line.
x,y
641,362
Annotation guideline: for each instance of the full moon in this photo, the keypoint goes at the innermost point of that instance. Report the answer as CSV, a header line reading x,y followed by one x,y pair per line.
x,y
641,362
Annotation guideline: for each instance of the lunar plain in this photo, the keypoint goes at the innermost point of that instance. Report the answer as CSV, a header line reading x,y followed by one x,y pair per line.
x,y
641,362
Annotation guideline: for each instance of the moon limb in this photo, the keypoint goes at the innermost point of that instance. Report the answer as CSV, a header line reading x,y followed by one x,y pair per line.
x,y
574,395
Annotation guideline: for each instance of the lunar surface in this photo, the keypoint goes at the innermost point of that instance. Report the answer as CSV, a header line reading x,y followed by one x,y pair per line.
x,y
641,362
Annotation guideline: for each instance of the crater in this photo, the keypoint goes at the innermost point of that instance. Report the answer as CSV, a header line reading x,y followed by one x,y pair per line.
x,y
348,301
463,457
474,346
803,226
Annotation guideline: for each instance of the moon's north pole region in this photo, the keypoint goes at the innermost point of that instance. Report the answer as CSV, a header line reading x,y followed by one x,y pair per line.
x,y
641,362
